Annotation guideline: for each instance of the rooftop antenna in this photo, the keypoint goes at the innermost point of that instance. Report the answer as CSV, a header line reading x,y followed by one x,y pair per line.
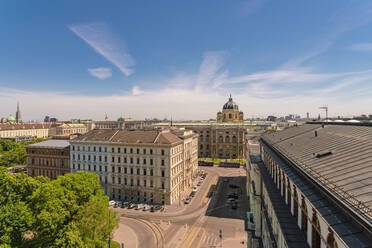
x,y
326,110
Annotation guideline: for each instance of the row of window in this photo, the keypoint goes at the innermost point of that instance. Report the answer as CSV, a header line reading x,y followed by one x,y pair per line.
x,y
130,182
48,162
113,160
125,170
139,197
118,150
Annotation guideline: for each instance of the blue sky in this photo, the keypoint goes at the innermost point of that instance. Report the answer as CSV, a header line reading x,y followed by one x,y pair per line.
x,y
82,59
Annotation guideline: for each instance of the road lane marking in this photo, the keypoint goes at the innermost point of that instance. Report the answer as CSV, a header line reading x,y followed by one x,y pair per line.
x,y
190,238
201,239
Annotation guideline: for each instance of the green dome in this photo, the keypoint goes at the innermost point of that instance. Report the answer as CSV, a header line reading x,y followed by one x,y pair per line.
x,y
11,119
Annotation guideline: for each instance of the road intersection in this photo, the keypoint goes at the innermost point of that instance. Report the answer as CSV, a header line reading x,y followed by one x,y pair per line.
x,y
197,224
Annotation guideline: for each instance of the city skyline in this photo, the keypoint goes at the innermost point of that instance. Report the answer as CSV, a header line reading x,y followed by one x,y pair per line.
x,y
182,61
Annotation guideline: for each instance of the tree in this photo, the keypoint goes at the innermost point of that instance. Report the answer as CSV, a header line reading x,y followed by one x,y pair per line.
x,y
14,153
70,211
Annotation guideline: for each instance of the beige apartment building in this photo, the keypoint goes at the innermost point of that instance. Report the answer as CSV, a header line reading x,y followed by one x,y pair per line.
x,y
14,131
152,166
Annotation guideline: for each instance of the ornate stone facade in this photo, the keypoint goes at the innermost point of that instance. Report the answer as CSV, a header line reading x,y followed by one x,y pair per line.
x,y
221,141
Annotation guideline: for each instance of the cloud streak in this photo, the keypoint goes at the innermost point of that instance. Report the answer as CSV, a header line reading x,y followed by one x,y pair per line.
x,y
278,92
103,41
361,47
250,6
101,73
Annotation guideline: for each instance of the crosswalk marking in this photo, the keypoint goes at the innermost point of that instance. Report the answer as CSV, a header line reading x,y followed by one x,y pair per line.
x,y
210,239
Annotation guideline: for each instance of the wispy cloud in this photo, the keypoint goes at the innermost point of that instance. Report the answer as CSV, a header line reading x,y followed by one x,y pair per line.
x,y
104,42
277,92
210,66
361,47
250,6
101,73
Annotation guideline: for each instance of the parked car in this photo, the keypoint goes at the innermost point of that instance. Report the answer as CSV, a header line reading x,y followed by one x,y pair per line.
x,y
111,203
233,186
233,195
117,204
192,194
132,205
195,188
158,207
139,207
125,204
187,200
199,183
231,199
146,207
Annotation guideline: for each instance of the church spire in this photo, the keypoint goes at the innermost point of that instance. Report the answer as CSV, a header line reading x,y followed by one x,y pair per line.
x,y
18,114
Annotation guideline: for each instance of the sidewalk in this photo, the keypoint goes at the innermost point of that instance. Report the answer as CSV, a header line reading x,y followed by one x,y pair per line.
x,y
124,234
176,207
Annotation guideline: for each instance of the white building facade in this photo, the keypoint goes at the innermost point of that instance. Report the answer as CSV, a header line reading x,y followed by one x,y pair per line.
x,y
142,166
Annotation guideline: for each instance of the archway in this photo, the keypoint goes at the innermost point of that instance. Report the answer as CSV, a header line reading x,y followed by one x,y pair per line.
x,y
331,242
315,232
304,216
295,203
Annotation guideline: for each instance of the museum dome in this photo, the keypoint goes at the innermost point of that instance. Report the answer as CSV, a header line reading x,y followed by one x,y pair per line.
x,y
230,104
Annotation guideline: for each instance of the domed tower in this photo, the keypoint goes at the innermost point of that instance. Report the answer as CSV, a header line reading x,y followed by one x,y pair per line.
x,y
230,112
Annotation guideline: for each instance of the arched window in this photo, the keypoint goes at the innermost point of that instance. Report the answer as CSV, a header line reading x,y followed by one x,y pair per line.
x,y
331,242
280,182
315,231
230,116
207,138
201,138
234,139
288,193
201,146
295,203
303,216
227,139
277,177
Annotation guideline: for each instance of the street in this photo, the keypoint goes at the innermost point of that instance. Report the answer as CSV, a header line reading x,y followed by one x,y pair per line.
x,y
198,224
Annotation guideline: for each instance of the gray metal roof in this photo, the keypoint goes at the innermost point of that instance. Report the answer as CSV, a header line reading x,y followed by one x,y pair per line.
x,y
52,144
338,157
352,233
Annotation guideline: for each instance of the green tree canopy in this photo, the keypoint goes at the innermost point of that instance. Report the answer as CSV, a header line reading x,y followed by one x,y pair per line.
x,y
70,211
